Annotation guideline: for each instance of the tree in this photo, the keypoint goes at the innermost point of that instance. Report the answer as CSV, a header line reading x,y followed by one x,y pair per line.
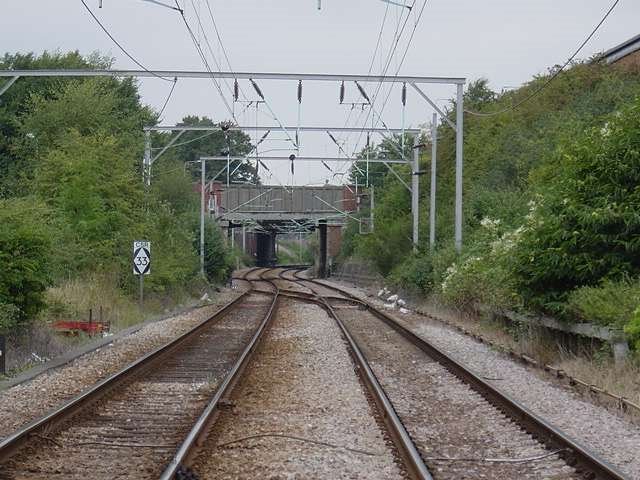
x,y
15,103
585,226
24,255
195,144
389,148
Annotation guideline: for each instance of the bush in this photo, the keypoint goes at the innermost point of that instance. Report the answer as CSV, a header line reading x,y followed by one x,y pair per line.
x,y
484,274
24,256
633,330
587,227
612,303
415,273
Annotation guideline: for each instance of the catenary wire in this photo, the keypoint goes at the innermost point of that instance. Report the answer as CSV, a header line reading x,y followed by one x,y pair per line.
x,y
555,74
166,102
204,60
119,45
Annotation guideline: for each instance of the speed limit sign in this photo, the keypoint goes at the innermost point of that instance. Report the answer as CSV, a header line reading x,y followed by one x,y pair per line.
x,y
141,257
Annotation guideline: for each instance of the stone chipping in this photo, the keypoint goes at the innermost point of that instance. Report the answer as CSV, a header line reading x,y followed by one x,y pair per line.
x,y
28,401
300,412
612,437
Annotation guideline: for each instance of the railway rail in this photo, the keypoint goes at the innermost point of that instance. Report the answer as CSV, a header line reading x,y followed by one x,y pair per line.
x,y
148,420
584,463
131,424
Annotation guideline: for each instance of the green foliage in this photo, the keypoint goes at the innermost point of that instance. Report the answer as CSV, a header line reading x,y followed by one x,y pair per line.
x,y
587,226
610,303
558,176
15,101
192,145
24,248
218,260
415,273
70,155
632,329
483,274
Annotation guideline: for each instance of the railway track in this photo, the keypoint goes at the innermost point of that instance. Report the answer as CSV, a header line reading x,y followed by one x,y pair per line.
x,y
150,419
132,424
453,427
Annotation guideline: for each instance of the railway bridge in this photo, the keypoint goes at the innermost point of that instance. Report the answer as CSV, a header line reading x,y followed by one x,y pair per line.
x,y
261,212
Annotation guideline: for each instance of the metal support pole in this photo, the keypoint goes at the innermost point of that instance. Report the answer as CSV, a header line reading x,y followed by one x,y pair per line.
x,y
202,207
415,193
244,239
459,163
146,164
372,207
322,261
233,238
228,168
432,193
141,292
8,84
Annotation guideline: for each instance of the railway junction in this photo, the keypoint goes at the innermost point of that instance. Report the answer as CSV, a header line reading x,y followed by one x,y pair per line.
x,y
301,377
294,374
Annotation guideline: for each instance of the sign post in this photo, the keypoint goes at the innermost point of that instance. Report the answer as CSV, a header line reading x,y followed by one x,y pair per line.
x,y
141,264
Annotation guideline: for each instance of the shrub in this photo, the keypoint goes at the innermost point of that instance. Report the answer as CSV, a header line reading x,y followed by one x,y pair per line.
x,y
633,330
587,228
415,273
24,255
611,303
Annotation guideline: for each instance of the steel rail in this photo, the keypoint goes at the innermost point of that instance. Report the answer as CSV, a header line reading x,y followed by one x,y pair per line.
x,y
200,429
402,440
14,442
572,452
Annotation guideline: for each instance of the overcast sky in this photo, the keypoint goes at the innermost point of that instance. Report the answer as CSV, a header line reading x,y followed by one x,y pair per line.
x,y
506,41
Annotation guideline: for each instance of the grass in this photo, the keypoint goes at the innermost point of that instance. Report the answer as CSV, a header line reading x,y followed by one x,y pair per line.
x,y
73,299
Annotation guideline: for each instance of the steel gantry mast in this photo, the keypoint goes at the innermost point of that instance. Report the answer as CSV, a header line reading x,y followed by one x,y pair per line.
x,y
414,81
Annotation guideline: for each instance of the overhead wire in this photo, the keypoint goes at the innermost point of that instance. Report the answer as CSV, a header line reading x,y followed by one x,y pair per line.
x,y
166,102
554,75
204,60
397,37
119,45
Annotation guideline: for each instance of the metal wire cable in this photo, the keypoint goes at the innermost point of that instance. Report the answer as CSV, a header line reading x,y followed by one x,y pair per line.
x,y
119,45
404,55
204,60
386,68
206,39
224,50
555,74
166,102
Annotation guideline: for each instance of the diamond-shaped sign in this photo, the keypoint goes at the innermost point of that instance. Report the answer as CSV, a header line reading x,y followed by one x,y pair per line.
x,y
141,258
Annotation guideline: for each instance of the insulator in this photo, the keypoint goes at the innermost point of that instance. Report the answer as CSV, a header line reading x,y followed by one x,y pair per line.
x,y
363,93
368,139
342,92
327,166
404,94
299,91
236,90
332,138
257,88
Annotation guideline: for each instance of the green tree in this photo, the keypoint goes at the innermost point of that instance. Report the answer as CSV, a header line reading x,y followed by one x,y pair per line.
x,y
24,256
15,102
586,226
195,144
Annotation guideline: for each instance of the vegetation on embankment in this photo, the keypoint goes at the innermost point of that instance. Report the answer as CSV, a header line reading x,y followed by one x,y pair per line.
x,y
72,200
552,204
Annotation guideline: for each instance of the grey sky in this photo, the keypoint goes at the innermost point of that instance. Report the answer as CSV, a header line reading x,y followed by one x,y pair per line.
x,y
506,41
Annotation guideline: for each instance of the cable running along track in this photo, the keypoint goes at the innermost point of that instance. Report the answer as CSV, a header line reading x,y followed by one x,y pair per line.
x,y
149,420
